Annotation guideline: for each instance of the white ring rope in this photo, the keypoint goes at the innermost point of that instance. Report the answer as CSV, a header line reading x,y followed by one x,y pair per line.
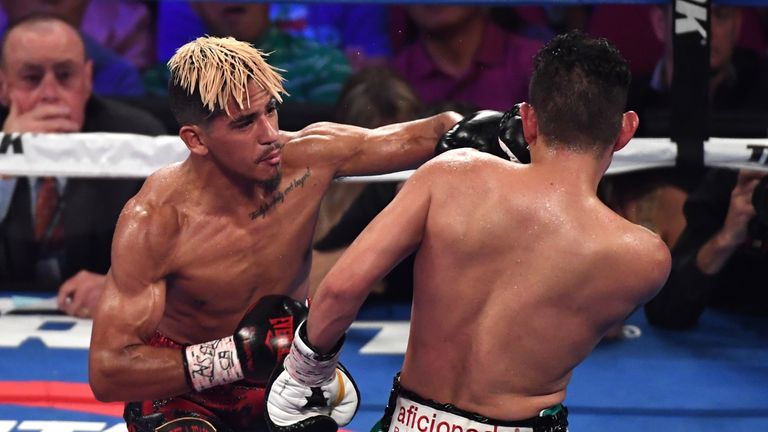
x,y
129,155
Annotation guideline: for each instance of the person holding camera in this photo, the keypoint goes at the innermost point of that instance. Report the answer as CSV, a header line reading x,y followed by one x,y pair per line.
x,y
721,256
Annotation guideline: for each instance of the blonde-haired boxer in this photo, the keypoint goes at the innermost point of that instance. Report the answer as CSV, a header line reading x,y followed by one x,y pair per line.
x,y
210,260
520,268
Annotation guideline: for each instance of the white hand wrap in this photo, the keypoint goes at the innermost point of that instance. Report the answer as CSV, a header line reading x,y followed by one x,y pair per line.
x,y
308,367
213,363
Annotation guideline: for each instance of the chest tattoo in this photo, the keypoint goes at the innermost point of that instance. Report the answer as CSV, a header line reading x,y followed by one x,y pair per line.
x,y
279,196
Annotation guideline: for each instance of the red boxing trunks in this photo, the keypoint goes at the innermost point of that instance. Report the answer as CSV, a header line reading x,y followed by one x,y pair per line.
x,y
228,408
408,412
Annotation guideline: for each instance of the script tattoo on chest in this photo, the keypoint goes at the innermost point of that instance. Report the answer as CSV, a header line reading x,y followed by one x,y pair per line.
x,y
279,196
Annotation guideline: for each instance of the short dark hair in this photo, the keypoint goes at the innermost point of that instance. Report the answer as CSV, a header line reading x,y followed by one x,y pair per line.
x,y
34,18
579,91
188,108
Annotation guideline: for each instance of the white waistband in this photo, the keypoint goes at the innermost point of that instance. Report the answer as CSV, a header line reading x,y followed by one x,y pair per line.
x,y
410,416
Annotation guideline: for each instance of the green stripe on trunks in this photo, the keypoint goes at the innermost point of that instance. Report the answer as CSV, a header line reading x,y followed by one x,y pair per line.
x,y
377,427
551,410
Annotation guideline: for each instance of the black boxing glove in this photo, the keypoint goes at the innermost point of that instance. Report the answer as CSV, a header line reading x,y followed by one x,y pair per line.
x,y
511,136
493,132
260,343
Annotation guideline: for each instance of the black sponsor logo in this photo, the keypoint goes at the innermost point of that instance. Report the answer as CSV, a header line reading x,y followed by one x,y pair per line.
x,y
758,153
690,16
11,141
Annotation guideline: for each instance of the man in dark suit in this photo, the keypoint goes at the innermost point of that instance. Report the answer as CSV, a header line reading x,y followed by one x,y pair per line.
x,y
55,233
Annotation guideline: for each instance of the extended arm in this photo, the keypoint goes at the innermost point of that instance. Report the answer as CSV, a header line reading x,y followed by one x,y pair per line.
x,y
391,236
312,363
351,150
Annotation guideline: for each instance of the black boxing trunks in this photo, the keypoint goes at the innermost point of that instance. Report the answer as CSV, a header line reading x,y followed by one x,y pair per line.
x,y
226,408
408,412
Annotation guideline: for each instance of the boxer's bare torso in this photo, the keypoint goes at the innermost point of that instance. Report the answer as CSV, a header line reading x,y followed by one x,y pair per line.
x,y
520,272
223,255
205,239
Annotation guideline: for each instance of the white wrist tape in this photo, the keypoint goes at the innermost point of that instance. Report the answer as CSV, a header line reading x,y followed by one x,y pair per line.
x,y
307,367
213,363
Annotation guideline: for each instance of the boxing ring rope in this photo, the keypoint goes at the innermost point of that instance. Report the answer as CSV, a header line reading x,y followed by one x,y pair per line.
x,y
136,156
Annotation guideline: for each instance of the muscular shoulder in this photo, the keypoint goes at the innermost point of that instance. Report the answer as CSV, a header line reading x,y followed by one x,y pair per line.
x,y
451,174
645,255
158,205
163,188
458,159
317,143
317,133
148,228
465,164
152,220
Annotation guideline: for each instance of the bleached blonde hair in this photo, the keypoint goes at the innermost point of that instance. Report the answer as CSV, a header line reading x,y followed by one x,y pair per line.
x,y
221,68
